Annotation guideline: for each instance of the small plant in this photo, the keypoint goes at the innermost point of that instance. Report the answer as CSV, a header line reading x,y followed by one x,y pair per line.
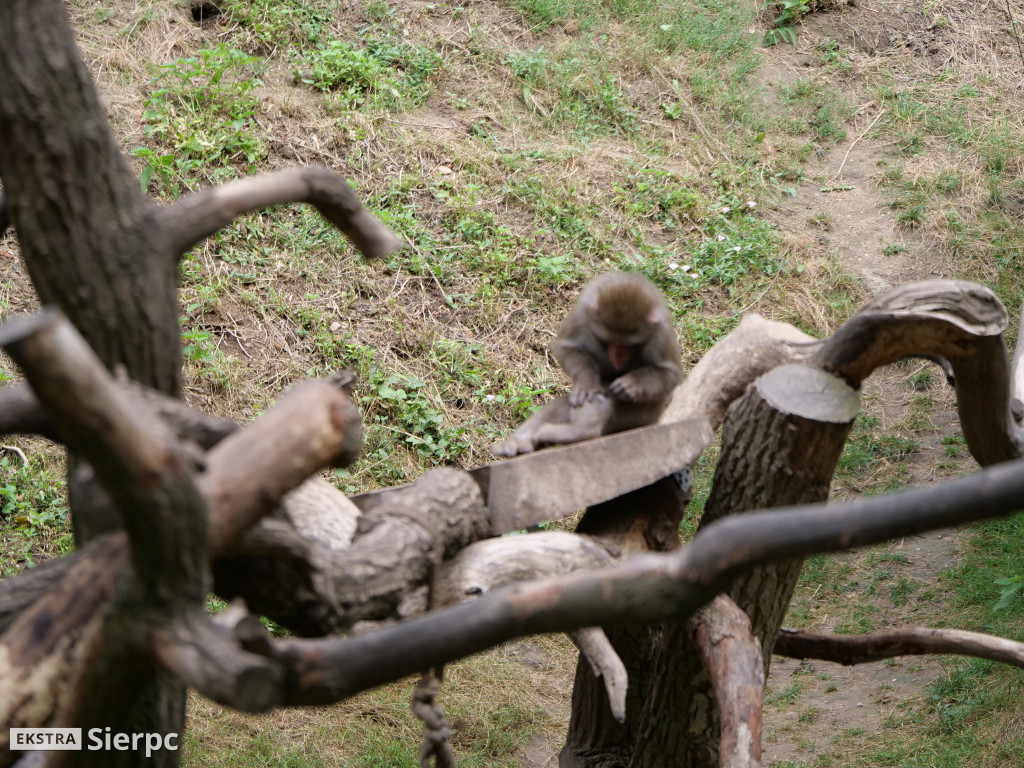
x,y
407,409
272,23
912,217
202,111
342,66
789,13
1009,588
33,510
555,269
386,72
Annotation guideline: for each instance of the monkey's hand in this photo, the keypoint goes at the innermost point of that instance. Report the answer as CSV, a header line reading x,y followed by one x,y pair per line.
x,y
629,388
584,392
513,446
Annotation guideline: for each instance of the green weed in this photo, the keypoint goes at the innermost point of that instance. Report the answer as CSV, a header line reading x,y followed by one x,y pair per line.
x,y
788,13
272,23
382,73
200,119
34,513
403,406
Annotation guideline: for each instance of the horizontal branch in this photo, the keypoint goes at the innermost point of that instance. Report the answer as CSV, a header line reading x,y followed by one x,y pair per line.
x,y
202,213
909,641
647,588
400,541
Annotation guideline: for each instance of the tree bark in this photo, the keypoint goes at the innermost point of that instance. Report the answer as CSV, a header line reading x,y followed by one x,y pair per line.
x,y
82,222
647,519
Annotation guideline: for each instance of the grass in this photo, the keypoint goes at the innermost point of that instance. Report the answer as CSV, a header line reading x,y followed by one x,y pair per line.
x,y
520,148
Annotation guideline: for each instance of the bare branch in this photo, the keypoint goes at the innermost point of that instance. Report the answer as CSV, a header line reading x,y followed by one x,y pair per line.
x,y
908,641
647,588
732,657
486,565
959,321
21,411
202,213
962,322
20,591
605,663
210,659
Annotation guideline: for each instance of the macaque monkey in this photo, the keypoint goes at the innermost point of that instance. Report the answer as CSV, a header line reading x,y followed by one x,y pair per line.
x,y
620,349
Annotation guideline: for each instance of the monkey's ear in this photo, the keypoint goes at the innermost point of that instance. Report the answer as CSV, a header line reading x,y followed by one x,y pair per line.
x,y
591,307
654,318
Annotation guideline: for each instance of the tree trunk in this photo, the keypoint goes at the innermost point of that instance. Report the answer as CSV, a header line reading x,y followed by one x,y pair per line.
x,y
85,229
92,249
798,418
645,519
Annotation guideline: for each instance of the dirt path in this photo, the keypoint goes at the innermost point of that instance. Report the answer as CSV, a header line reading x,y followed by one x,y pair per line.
x,y
839,212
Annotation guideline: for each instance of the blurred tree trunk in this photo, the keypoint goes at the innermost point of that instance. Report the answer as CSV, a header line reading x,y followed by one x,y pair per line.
x,y
85,229
89,241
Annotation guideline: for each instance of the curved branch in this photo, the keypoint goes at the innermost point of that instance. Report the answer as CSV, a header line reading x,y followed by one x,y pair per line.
x,y
202,213
605,663
756,346
909,641
959,321
962,322
647,588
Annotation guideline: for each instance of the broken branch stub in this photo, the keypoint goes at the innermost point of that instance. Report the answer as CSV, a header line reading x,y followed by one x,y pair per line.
x,y
210,659
247,474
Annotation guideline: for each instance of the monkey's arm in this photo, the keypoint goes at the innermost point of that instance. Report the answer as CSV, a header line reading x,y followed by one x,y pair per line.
x,y
581,365
557,423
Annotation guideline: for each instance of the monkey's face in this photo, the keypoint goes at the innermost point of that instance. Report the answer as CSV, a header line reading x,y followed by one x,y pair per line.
x,y
620,355
621,343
